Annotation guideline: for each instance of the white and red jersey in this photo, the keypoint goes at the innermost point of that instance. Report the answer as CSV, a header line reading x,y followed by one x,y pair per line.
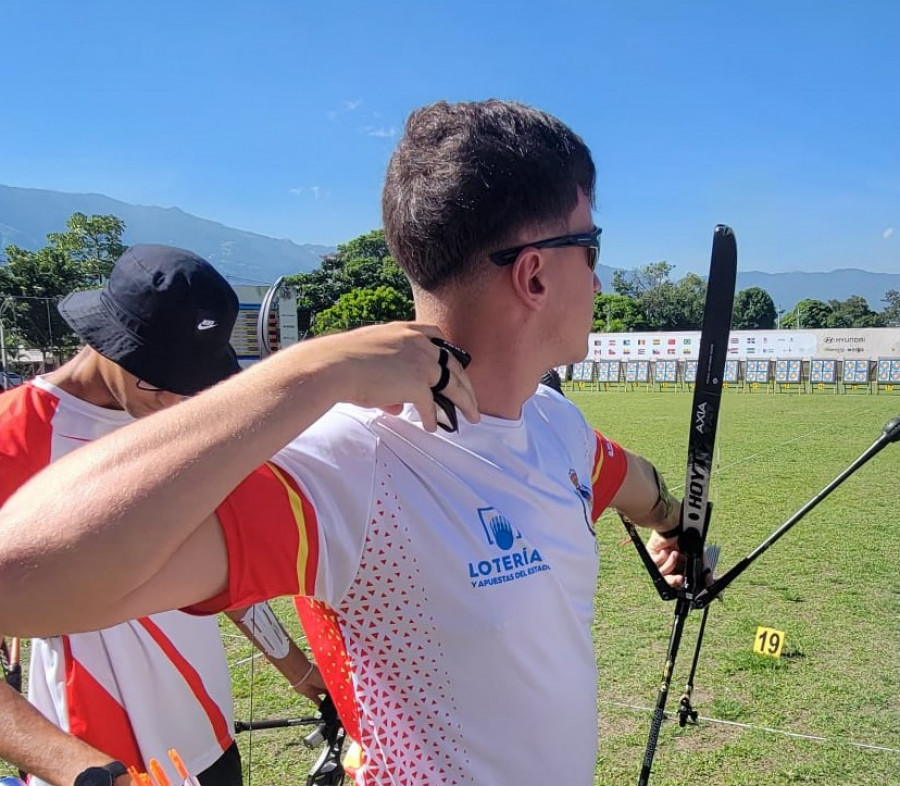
x,y
449,585
134,690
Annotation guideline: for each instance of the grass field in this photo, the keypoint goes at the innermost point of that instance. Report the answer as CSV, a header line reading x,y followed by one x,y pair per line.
x,y
831,585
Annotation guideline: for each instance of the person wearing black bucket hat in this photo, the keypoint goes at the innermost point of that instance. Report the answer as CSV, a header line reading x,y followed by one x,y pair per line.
x,y
165,316
158,331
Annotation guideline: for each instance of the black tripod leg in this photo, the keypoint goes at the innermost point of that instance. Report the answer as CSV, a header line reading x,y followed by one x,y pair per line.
x,y
685,711
682,607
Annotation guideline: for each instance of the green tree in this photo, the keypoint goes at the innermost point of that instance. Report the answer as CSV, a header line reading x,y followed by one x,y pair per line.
x,y
891,313
361,263
634,283
617,314
94,242
754,309
854,312
690,293
666,305
808,313
34,281
364,307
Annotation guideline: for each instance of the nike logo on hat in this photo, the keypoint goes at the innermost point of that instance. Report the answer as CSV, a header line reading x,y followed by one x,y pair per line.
x,y
206,324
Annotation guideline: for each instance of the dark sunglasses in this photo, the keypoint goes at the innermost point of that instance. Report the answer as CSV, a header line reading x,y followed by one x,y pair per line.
x,y
588,240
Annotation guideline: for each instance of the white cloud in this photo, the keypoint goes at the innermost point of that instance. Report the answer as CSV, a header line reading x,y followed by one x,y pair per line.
x,y
888,233
298,190
386,133
345,107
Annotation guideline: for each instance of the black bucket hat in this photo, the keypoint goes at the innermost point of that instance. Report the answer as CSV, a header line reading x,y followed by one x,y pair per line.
x,y
165,315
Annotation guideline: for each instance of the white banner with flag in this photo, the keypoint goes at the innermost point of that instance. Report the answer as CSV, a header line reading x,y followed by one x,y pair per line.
x,y
838,343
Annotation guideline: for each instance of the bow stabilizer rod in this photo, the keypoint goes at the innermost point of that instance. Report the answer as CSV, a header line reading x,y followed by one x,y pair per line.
x,y
890,433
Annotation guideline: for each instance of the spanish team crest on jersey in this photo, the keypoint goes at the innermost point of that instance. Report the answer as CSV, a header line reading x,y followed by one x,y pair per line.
x,y
498,529
583,490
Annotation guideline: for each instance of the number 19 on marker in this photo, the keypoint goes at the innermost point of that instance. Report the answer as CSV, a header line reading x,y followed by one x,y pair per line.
x,y
769,642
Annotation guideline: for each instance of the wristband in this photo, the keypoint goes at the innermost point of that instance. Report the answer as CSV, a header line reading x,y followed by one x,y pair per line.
x,y
312,665
671,533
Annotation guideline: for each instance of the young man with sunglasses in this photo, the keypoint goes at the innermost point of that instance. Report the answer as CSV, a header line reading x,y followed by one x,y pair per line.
x,y
449,574
157,333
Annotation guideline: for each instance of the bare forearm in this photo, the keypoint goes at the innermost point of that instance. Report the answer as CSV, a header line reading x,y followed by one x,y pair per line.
x,y
259,624
30,742
95,526
645,498
124,527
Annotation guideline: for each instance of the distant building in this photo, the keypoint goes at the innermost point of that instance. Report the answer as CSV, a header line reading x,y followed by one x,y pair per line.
x,y
250,339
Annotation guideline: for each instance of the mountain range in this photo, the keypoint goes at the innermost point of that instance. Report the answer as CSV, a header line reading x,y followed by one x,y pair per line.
x,y
27,215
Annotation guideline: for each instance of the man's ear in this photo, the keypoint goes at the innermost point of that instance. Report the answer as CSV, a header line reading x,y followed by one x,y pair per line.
x,y
528,278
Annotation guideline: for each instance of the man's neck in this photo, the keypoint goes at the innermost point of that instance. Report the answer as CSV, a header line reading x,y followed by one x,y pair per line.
x,y
82,378
503,371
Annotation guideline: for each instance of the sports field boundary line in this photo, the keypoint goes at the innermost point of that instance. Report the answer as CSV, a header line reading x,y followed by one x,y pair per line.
x,y
766,729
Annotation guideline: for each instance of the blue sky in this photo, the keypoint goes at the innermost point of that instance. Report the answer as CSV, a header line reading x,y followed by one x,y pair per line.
x,y
778,118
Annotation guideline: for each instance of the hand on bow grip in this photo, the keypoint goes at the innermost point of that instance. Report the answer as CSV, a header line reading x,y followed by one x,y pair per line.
x,y
668,552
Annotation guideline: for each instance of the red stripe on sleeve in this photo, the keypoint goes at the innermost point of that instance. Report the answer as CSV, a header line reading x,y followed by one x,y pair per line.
x,y
610,465
271,535
308,532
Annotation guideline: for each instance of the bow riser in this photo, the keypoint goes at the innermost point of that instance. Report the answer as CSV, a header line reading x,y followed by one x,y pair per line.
x,y
696,507
707,397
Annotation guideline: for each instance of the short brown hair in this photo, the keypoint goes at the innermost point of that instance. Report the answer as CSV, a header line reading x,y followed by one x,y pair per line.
x,y
467,177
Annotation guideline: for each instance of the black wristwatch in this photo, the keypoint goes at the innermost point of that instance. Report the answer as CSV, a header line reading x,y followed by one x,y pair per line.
x,y
101,776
